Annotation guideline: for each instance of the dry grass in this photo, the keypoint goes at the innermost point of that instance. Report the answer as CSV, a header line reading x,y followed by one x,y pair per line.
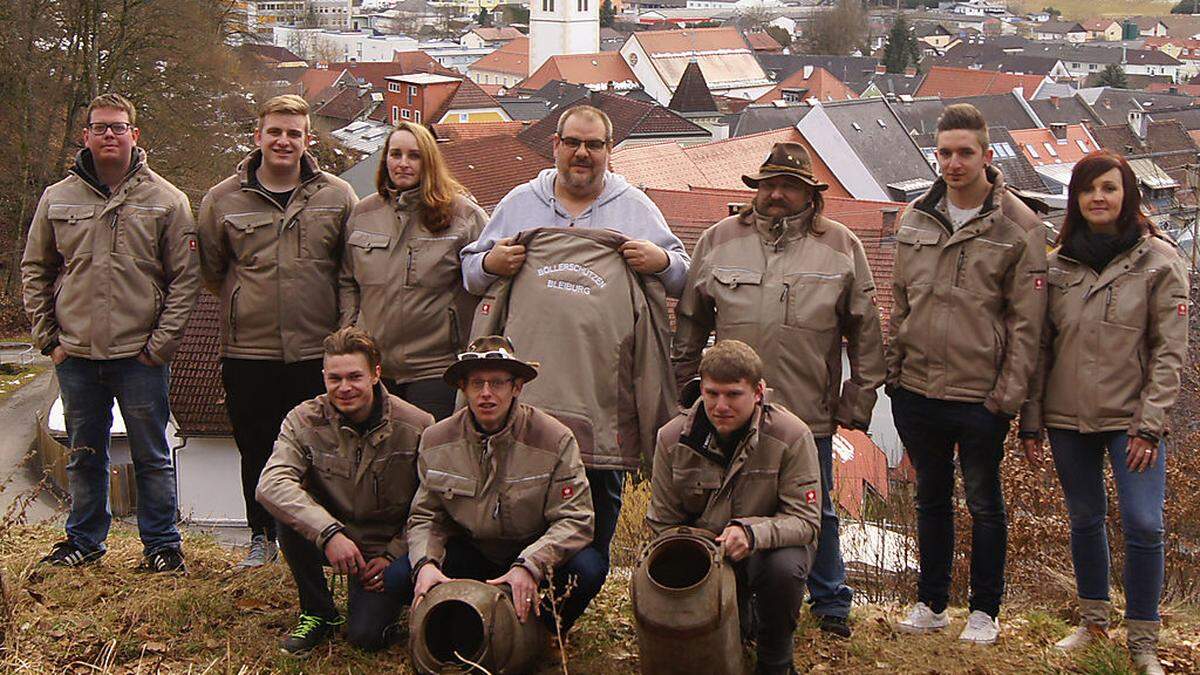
x,y
1086,9
13,377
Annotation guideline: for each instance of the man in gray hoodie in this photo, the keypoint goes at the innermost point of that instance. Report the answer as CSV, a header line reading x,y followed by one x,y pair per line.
x,y
580,192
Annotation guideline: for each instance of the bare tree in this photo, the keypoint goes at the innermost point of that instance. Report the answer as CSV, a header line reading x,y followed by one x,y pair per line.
x,y
839,30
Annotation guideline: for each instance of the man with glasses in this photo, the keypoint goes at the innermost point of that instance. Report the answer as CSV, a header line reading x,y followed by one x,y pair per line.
x,y
503,495
580,192
111,273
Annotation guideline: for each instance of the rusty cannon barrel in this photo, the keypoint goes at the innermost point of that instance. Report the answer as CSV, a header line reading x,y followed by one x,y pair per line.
x,y
685,606
464,622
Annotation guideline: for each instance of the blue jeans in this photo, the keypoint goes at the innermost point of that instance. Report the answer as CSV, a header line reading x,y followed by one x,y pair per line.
x,y
88,388
931,429
1079,460
827,590
606,486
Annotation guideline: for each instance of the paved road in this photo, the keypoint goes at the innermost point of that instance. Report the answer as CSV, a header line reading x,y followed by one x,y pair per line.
x,y
18,475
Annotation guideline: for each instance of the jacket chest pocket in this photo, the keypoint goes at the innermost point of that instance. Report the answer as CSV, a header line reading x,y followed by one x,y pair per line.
x,y
694,486
1065,296
393,479
137,231
757,492
812,300
981,264
523,505
369,251
450,486
917,255
1126,300
432,262
73,225
736,294
335,473
319,231
252,235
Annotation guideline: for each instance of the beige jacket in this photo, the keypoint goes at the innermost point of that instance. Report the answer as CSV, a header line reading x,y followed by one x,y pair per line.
x,y
275,270
520,495
968,306
403,283
772,487
1114,343
792,292
323,477
108,276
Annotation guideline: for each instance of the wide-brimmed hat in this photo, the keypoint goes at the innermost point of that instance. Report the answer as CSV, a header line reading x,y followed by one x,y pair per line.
x,y
489,351
786,159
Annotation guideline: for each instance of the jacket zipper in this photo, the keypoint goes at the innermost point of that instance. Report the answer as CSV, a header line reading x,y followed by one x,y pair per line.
x,y
962,259
454,336
112,240
1108,304
233,314
787,306
408,268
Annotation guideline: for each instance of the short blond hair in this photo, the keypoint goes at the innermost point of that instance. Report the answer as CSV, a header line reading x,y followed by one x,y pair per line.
x,y
113,101
587,111
284,104
730,361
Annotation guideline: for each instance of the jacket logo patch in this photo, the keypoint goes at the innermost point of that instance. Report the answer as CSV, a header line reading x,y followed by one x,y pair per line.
x,y
1182,309
568,492
485,308
810,497
1039,283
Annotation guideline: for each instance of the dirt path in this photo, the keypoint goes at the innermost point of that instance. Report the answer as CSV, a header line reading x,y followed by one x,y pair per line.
x,y
18,475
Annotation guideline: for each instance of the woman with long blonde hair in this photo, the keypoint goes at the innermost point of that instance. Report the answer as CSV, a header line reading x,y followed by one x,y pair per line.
x,y
401,280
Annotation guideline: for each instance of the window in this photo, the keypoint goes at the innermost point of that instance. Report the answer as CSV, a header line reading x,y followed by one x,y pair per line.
x,y
395,114
1032,151
464,117
417,116
405,114
1049,150
412,93
1082,146
393,87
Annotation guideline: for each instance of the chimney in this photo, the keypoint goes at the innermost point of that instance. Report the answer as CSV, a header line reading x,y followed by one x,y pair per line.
x,y
1059,129
1054,102
1137,122
889,220
910,72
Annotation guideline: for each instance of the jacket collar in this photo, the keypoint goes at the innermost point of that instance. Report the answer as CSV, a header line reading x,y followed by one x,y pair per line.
x,y
249,165
933,202
1119,264
407,200
85,168
506,433
776,231
698,433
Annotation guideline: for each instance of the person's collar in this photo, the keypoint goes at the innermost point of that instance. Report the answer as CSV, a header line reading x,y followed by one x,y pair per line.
x,y
777,229
483,433
407,199
374,418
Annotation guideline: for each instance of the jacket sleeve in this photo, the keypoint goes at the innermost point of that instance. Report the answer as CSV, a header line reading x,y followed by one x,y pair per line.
x,y
398,546
500,226
41,265
348,292
695,318
281,490
569,511
1031,411
1166,338
1025,296
666,508
864,348
214,248
798,520
676,273
181,276
893,349
653,387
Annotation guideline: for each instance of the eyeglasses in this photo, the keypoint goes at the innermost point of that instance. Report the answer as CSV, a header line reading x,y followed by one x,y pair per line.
x,y
495,385
118,128
573,143
496,354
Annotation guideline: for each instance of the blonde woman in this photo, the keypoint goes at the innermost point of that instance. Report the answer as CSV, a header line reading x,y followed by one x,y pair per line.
x,y
401,280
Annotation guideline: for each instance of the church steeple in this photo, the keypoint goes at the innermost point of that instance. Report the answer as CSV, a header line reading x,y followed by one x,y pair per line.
x,y
562,27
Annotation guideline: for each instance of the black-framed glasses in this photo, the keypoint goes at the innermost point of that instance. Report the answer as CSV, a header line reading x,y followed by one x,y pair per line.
x,y
573,143
496,384
101,128
497,354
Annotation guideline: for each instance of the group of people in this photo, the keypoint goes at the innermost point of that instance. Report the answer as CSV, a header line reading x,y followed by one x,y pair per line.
x,y
352,330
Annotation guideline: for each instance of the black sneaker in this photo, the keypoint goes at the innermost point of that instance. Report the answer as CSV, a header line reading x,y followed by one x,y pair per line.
x,y
835,625
164,560
66,554
310,631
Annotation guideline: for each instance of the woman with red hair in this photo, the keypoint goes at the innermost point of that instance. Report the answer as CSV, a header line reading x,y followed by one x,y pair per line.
x,y
1113,346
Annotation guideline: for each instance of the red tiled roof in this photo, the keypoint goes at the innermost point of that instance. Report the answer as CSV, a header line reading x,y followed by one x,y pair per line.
x,y
491,89
492,34
600,68
629,116
1192,90
761,41
1064,153
197,395
344,105
866,466
949,82
402,63
314,81
491,166
453,131
511,59
820,84
467,96
691,39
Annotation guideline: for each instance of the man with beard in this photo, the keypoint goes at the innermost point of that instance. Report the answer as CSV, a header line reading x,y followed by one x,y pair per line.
x,y
580,192
793,284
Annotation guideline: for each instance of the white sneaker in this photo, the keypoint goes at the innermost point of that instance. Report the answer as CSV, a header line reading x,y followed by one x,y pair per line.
x,y
981,629
921,619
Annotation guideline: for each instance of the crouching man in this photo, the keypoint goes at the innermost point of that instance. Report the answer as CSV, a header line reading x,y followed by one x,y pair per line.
x,y
339,482
735,464
504,497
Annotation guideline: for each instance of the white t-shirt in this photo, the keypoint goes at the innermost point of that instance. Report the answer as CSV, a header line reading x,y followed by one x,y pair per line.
x,y
959,217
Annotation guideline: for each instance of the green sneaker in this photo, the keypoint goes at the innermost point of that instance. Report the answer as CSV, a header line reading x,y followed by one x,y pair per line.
x,y
310,631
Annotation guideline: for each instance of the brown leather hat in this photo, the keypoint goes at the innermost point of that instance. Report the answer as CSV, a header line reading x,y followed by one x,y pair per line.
x,y
489,351
786,159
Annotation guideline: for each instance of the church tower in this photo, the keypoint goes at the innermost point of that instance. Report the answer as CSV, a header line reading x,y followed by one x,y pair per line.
x,y
562,27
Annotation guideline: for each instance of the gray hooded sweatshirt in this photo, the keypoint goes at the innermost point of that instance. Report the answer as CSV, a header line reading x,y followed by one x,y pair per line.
x,y
620,207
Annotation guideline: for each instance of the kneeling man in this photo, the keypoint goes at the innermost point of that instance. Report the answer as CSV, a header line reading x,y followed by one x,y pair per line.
x,y
735,464
504,497
339,482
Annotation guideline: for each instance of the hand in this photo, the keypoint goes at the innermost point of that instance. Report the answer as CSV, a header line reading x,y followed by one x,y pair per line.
x,y
371,576
427,578
343,555
644,256
58,355
737,544
1141,454
524,590
505,258
144,359
1032,447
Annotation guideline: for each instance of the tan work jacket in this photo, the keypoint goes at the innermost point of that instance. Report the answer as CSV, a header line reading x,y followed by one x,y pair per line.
x,y
108,276
403,284
1114,343
520,495
323,477
791,290
275,269
969,304
772,486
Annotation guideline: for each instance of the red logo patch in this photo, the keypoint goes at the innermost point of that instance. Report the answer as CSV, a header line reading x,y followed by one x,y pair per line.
x,y
191,244
1039,283
1182,309
810,497
568,492
485,308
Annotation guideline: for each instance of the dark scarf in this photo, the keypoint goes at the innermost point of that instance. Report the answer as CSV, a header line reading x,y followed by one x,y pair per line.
x,y
376,415
1097,250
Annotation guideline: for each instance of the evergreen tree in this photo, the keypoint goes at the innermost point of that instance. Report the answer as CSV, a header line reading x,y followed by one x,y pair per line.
x,y
1113,76
901,49
1186,7
607,14
484,18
